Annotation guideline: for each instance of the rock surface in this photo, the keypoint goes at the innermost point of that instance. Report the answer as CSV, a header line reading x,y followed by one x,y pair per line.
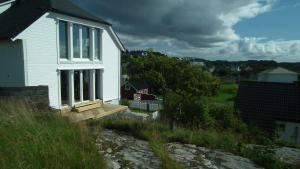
x,y
289,155
193,157
123,151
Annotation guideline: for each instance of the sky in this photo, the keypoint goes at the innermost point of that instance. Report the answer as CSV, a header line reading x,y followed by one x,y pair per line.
x,y
210,29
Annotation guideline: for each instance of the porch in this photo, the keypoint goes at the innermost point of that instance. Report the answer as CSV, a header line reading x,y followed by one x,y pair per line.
x,y
94,113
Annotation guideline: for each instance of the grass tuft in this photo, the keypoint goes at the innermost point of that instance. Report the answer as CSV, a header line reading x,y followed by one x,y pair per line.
x,y
33,139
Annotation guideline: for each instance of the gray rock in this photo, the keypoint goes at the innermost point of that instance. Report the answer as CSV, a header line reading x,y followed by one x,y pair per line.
x,y
193,157
109,150
289,155
129,152
285,154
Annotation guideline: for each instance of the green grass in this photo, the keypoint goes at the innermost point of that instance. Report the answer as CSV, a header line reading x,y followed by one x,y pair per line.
x,y
227,140
32,139
227,93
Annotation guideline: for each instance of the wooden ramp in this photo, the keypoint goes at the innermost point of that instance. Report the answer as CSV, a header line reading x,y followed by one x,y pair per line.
x,y
97,113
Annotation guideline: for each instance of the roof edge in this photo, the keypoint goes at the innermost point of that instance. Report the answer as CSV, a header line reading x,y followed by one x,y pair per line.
x,y
7,2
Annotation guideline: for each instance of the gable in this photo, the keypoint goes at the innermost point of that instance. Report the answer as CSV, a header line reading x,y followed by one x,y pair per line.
x,y
24,13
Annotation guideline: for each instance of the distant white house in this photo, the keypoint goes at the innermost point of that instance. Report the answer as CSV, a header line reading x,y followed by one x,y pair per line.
x,y
57,44
279,74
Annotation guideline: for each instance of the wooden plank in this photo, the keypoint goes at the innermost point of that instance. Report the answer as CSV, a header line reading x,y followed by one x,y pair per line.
x,y
87,103
87,107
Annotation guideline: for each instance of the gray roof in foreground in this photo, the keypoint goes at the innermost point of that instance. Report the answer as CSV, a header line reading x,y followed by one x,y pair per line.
x,y
25,12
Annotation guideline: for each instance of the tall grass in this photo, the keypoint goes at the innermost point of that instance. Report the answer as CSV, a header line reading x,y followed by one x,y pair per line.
x,y
33,139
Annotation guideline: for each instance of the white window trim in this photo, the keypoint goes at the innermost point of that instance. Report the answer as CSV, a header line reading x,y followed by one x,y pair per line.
x,y
70,39
93,78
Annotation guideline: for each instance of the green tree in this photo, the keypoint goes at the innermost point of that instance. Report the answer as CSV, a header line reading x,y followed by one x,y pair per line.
x,y
184,86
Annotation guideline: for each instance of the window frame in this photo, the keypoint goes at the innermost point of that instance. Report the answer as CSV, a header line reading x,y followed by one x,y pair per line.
x,y
99,57
70,42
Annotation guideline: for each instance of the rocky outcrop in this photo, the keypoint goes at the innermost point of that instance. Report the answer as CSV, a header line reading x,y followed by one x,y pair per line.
x,y
124,151
289,155
193,157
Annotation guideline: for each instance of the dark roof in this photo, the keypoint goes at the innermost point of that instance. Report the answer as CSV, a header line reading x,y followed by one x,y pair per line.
x,y
264,103
140,85
25,12
137,85
1,1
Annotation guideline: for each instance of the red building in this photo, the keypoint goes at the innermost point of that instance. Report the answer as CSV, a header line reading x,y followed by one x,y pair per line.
x,y
136,91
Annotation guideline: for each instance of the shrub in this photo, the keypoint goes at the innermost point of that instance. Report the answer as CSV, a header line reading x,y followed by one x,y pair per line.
x,y
124,102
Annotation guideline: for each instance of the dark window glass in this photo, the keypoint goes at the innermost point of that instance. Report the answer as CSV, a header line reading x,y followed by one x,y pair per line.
x,y
85,42
77,86
63,39
98,84
76,41
64,86
97,44
86,84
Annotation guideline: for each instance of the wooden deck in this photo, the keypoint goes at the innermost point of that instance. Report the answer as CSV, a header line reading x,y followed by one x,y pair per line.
x,y
104,110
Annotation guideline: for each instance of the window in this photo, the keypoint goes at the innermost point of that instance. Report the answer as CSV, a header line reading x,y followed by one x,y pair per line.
x,y
127,87
77,86
86,84
281,127
63,39
98,84
76,41
85,42
97,44
64,86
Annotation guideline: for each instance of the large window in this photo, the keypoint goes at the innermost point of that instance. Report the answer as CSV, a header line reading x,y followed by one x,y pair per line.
x,y
64,87
97,44
86,84
63,39
76,41
85,42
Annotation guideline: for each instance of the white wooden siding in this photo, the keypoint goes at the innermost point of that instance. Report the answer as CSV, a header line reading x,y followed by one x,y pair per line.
x,y
43,62
11,64
40,40
111,74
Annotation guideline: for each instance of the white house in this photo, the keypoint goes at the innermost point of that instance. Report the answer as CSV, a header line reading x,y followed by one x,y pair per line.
x,y
57,44
279,74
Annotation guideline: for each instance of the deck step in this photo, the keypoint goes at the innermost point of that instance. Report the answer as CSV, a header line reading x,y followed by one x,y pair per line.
x,y
81,107
87,103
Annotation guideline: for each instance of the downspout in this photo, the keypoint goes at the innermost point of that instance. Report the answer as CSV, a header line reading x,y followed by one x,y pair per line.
x,y
25,60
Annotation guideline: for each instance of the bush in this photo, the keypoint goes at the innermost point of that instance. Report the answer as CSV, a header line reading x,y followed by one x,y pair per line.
x,y
124,102
32,139
227,118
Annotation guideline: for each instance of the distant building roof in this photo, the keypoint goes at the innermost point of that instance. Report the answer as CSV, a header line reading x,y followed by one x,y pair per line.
x,y
137,85
278,70
140,85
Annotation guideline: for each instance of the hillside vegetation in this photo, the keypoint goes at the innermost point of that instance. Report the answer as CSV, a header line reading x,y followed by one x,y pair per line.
x,y
35,139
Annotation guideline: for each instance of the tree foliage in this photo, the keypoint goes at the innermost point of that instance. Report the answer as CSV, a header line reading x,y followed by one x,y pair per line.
x,y
184,86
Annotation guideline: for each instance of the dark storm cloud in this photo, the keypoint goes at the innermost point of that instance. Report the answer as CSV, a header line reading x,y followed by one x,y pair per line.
x,y
197,22
199,28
